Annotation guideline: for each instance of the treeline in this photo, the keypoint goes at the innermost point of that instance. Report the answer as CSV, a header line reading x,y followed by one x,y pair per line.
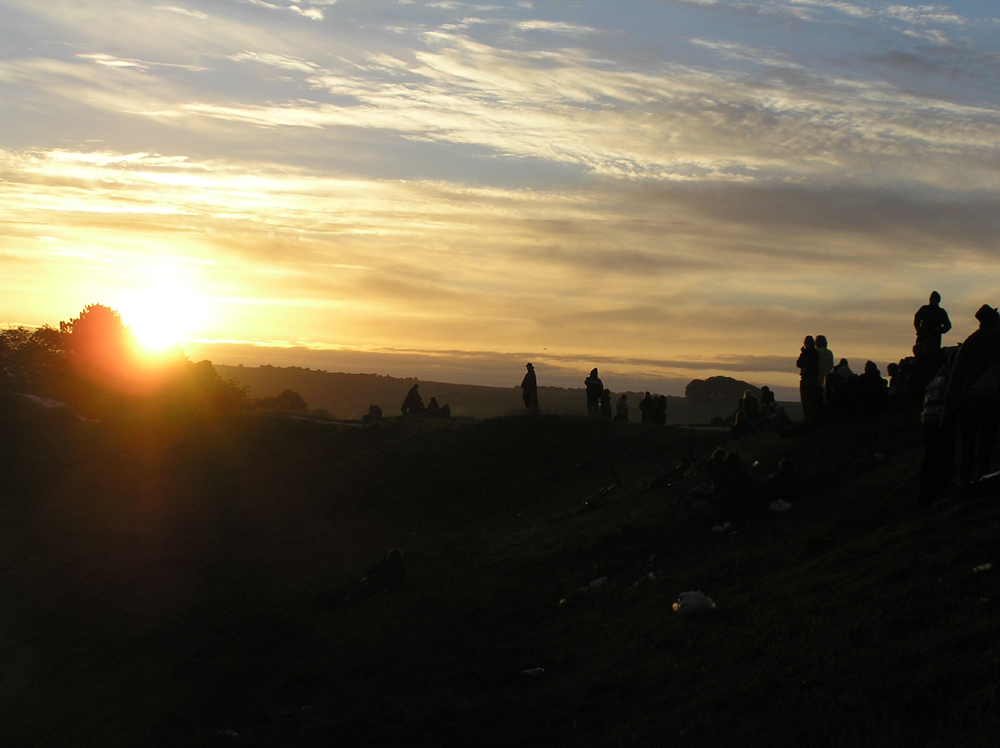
x,y
93,364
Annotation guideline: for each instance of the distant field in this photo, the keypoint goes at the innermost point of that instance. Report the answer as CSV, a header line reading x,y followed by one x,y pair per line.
x,y
348,396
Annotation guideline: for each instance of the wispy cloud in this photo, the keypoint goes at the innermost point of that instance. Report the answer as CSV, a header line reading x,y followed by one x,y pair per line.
x,y
182,11
315,14
285,62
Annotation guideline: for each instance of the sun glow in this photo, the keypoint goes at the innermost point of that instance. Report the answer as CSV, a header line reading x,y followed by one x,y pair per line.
x,y
162,316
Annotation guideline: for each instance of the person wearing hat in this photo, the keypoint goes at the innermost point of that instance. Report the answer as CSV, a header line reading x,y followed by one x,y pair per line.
x,y
595,388
930,322
529,389
973,397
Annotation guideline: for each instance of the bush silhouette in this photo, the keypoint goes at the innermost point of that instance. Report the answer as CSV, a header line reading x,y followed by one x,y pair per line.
x,y
718,388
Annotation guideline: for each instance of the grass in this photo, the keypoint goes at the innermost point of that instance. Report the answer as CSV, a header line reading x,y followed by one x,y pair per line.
x,y
156,579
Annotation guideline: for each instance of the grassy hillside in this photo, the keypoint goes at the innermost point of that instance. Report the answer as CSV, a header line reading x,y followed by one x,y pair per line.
x,y
347,396
156,580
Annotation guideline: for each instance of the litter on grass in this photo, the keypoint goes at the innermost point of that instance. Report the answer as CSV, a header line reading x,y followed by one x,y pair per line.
x,y
984,567
693,602
535,672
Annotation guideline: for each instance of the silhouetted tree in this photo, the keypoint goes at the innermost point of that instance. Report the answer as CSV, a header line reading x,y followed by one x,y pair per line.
x,y
100,346
718,388
288,401
32,361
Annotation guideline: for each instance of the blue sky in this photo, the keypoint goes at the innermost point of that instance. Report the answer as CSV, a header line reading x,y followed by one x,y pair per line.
x,y
447,189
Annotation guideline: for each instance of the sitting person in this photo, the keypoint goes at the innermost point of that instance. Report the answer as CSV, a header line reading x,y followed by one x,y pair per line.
x,y
413,405
730,487
780,486
741,427
766,396
871,391
433,409
748,404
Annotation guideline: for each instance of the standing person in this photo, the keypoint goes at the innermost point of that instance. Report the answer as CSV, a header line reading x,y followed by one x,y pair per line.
x,y
529,389
938,464
809,387
646,407
660,411
606,405
931,322
595,388
621,408
825,360
974,397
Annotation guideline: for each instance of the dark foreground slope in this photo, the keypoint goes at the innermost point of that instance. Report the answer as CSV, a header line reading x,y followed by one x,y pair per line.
x,y
156,579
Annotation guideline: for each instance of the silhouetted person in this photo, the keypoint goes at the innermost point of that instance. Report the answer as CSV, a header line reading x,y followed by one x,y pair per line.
x,y
894,378
606,405
748,404
374,414
741,426
433,409
809,386
825,366
413,405
446,411
838,390
730,485
529,389
766,396
938,465
646,407
621,408
930,322
782,485
775,417
974,396
871,391
595,388
660,411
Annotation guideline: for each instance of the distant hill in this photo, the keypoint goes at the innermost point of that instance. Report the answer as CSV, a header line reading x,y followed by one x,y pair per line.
x,y
348,396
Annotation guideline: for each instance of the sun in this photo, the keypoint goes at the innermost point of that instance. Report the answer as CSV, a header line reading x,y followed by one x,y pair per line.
x,y
162,317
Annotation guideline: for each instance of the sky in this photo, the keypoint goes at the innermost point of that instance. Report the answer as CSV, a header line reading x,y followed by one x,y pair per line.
x,y
665,189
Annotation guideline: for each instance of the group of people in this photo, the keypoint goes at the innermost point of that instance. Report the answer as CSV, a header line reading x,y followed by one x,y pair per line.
x,y
960,387
829,390
653,408
413,405
962,400
754,415
741,493
599,400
